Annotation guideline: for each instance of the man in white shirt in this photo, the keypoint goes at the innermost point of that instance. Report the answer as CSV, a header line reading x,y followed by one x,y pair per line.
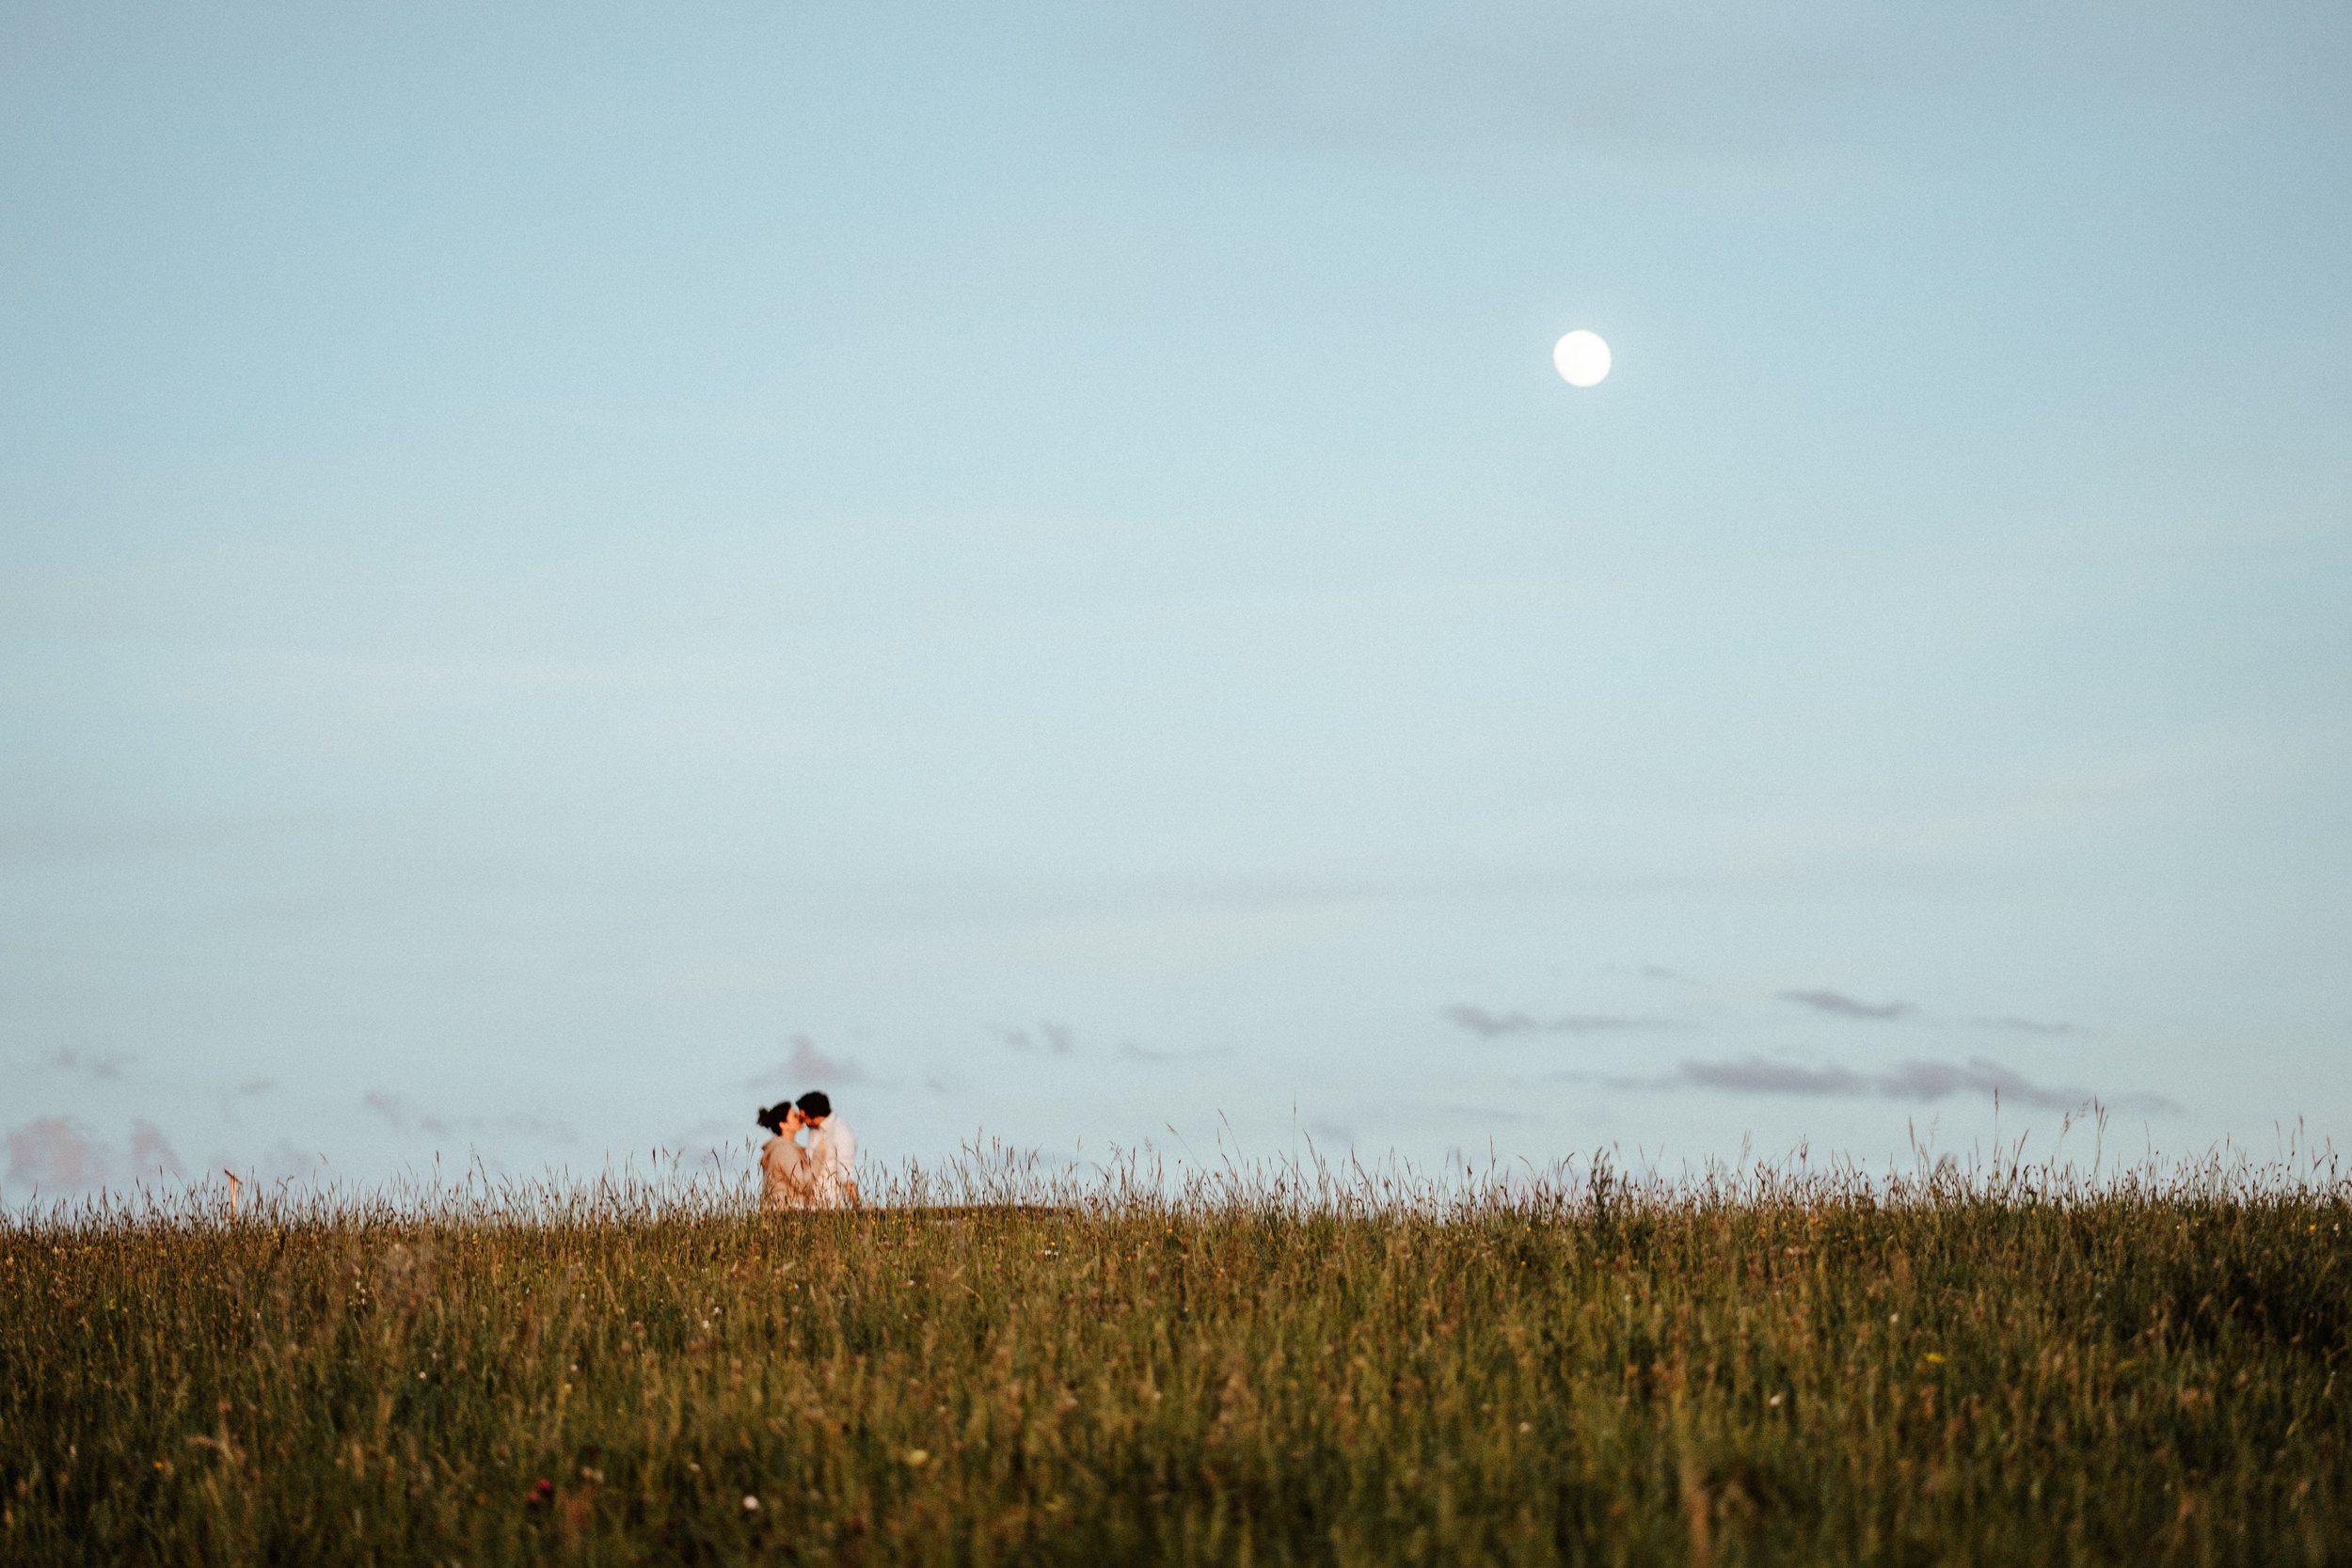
x,y
832,1154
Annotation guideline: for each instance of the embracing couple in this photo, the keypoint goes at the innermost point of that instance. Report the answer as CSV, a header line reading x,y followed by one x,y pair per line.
x,y
820,1173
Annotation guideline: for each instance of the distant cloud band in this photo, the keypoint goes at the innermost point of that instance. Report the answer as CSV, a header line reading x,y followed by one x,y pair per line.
x,y
1488,1025
54,1154
1839,1004
1922,1080
404,1116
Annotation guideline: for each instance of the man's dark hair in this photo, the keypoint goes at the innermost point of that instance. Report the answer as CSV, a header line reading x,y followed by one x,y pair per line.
x,y
815,1104
771,1118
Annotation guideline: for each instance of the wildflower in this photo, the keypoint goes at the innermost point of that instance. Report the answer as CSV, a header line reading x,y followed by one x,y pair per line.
x,y
1773,1402
1935,1358
541,1493
751,1504
917,1458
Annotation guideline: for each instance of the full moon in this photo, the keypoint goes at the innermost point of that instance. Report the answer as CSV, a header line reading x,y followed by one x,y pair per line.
x,y
1582,358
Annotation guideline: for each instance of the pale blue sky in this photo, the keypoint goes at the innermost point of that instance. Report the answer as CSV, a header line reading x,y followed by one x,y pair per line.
x,y
549,553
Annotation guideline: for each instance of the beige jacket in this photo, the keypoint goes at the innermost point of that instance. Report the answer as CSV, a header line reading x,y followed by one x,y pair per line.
x,y
788,1179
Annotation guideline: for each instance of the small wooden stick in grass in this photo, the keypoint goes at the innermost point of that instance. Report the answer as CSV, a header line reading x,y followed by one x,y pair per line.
x,y
232,1193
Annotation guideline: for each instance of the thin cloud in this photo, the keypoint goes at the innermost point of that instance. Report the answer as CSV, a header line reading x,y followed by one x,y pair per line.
x,y
1918,1081
1757,1076
806,1065
1618,82
712,1145
152,1153
252,1088
1838,1005
2026,1025
57,1154
534,1126
404,1118
1488,1025
1135,1052
94,1064
1053,1039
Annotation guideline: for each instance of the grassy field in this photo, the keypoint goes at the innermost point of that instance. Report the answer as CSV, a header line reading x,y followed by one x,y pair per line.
x,y
1774,1369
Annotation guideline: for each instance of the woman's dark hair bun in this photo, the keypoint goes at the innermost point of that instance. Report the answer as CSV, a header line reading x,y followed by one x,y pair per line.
x,y
772,1116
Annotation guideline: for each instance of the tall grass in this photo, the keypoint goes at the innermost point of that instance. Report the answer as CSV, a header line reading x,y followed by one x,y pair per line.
x,y
2006,1365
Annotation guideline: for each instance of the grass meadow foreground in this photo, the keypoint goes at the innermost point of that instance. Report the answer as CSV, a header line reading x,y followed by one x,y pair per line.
x,y
1774,1367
